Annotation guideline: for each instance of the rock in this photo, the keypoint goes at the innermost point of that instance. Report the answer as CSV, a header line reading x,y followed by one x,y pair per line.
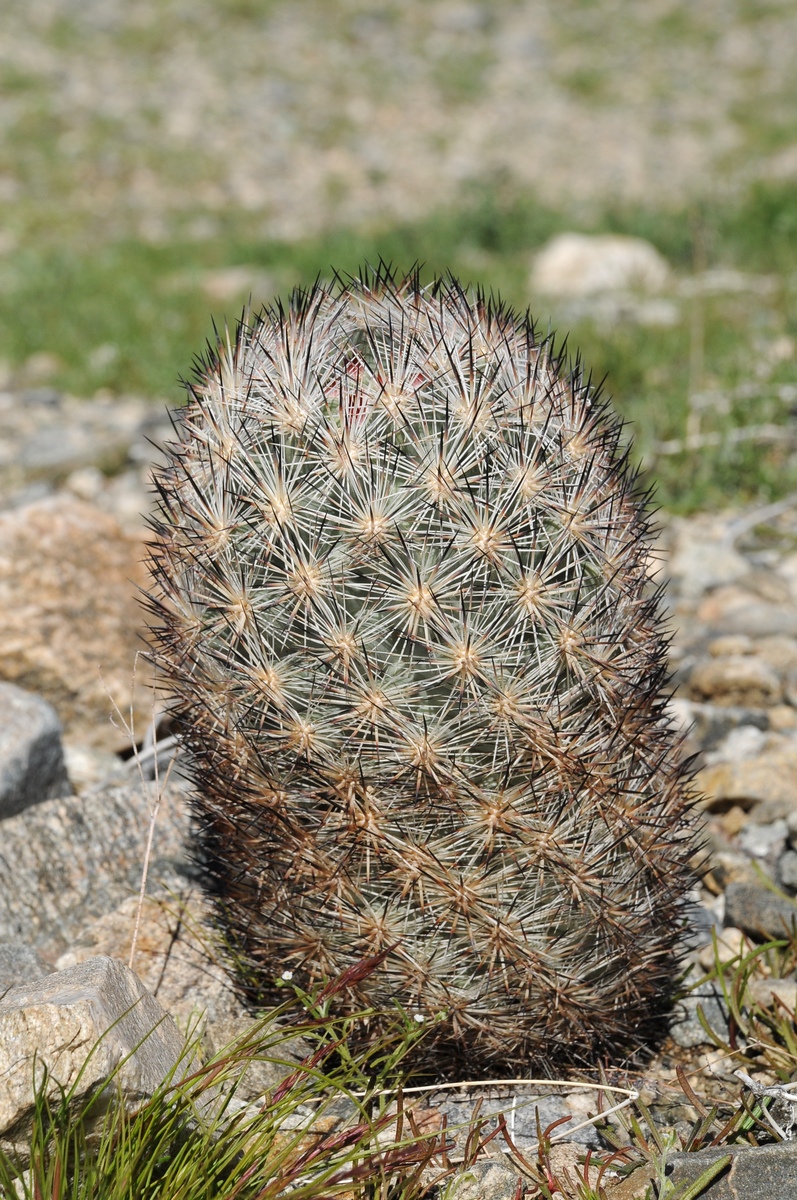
x,y
265,1070
738,680
178,958
702,556
579,264
730,944
18,964
46,436
70,618
485,1180
91,1027
759,912
743,742
686,1029
769,780
763,841
736,610
710,724
731,645
779,651
787,870
31,755
769,992
754,1173
66,861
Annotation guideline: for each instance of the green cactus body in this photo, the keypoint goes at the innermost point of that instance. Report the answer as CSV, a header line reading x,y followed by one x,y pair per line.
x,y
403,613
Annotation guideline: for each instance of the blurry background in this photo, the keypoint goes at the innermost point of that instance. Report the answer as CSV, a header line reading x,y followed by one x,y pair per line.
x,y
162,160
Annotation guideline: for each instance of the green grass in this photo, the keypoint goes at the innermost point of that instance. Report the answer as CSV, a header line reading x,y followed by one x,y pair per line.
x,y
147,303
340,1123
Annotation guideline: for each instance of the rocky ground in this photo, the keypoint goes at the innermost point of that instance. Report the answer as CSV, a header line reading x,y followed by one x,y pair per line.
x,y
74,491
317,114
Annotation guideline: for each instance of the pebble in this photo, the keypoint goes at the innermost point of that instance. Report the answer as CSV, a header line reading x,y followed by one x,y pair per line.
x,y
686,1028
759,912
32,765
768,781
787,870
734,680
763,841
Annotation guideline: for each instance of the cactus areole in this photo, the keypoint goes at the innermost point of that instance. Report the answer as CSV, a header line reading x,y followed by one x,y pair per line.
x,y
403,613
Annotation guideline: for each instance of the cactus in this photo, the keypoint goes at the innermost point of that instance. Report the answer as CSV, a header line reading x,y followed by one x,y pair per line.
x,y
403,613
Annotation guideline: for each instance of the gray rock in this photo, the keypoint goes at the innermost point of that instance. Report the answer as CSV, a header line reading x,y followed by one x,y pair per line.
x,y
19,964
710,724
754,1173
760,619
759,912
522,1109
485,1180
31,755
763,841
787,870
87,1029
69,860
686,1029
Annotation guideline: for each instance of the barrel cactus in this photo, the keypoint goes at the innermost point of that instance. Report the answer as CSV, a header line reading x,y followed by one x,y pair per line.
x,y
403,612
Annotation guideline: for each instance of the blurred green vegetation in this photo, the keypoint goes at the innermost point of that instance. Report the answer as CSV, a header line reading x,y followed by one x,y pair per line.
x,y
130,316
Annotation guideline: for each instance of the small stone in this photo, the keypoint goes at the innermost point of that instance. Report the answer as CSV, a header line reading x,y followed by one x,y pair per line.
x,y
18,964
701,558
734,820
730,943
580,264
484,1180
729,867
759,912
686,1029
735,610
787,870
81,1030
744,680
32,765
746,741
763,841
730,646
779,652
770,992
769,780
782,718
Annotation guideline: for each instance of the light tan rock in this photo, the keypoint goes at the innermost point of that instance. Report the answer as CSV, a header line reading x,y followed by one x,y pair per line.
x,y
731,943
779,652
730,644
744,680
769,780
582,264
702,557
177,955
84,1029
771,992
69,615
738,610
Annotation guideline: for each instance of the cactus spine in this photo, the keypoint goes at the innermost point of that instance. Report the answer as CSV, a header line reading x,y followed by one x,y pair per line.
x,y
403,614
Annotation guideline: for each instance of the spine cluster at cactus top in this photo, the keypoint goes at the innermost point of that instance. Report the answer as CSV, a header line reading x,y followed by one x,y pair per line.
x,y
404,617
